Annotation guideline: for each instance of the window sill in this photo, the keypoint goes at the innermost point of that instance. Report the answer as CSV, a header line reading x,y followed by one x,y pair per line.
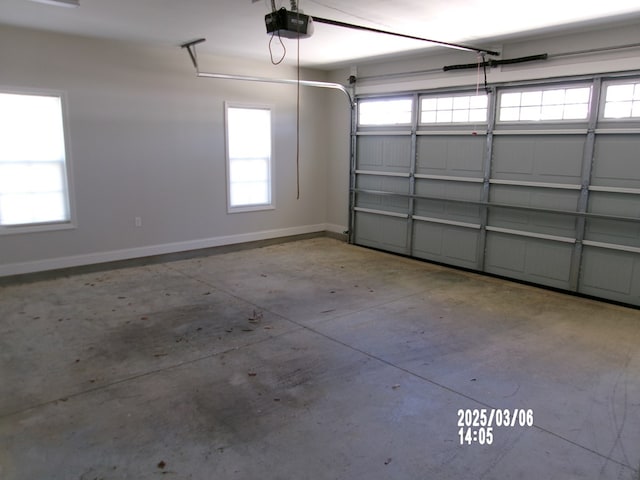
x,y
250,208
36,228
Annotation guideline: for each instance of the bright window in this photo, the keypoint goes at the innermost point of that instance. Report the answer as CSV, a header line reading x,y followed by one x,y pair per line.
x,y
622,101
248,158
545,105
33,178
457,109
397,111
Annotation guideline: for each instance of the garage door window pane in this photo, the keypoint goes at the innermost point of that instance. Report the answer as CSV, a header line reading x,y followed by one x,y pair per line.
x,y
457,109
622,101
545,105
385,112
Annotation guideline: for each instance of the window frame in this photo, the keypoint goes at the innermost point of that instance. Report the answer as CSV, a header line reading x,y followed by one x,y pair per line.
x,y
68,184
544,88
270,205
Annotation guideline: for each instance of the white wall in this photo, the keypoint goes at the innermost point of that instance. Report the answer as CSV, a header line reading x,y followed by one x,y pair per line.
x,y
399,74
147,140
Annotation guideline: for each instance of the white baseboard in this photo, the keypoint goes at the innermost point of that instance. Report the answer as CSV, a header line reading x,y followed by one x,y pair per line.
x,y
162,249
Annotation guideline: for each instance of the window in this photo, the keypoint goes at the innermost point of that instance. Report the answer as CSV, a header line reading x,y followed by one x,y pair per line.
x,y
248,158
456,109
33,176
622,101
397,111
545,105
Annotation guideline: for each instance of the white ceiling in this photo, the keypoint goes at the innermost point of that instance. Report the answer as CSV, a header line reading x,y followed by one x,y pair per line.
x,y
236,27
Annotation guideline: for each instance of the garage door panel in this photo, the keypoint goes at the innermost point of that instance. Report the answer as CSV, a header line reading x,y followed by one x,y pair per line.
x,y
546,224
446,243
391,153
610,273
383,184
450,155
535,260
551,198
432,155
549,262
538,158
380,231
449,190
617,161
505,254
537,222
383,203
619,204
610,231
447,211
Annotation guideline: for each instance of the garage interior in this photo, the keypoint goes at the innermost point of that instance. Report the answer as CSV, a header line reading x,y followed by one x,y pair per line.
x,y
429,269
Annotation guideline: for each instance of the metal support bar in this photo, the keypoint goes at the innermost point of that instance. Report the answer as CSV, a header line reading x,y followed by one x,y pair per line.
x,y
475,226
523,233
611,246
383,133
588,161
487,204
191,48
353,165
496,63
521,183
448,178
381,212
630,191
456,46
486,177
383,174
413,161
306,83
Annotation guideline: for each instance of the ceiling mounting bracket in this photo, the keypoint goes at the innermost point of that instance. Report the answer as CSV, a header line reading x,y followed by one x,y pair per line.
x,y
191,48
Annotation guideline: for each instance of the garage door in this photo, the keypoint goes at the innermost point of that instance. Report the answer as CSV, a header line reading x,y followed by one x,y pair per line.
x,y
539,183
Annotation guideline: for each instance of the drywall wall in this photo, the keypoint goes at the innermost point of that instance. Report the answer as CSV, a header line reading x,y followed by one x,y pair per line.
x,y
147,140
424,72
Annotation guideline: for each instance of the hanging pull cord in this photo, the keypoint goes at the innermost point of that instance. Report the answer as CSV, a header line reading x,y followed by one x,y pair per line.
x,y
295,7
284,49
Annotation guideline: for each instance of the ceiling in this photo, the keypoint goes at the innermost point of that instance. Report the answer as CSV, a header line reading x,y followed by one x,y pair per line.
x,y
236,27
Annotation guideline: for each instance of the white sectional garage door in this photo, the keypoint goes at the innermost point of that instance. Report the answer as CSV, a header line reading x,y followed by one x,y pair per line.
x,y
539,183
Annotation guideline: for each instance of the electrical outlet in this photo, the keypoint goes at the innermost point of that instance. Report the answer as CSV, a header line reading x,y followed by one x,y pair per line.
x,y
138,221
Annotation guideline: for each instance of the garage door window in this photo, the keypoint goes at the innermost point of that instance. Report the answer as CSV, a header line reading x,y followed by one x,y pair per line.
x,y
622,101
397,111
454,109
554,104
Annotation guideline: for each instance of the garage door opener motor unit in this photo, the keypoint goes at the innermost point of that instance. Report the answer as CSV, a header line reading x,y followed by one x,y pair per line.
x,y
289,24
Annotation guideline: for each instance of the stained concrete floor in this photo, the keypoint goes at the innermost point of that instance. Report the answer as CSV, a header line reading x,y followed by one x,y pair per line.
x,y
313,359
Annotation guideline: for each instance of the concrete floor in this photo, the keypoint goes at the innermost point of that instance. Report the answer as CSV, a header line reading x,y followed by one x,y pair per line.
x,y
311,360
